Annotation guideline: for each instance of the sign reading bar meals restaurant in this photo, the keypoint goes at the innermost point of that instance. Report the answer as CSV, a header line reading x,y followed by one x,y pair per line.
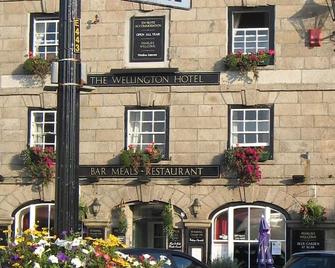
x,y
147,39
161,171
153,79
183,4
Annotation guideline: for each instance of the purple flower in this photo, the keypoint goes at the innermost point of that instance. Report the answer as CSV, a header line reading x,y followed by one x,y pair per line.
x,y
62,257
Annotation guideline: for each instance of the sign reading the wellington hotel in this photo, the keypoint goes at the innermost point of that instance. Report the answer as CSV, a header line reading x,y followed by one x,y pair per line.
x,y
153,79
161,171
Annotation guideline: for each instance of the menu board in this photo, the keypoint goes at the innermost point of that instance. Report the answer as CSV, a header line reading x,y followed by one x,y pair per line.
x,y
147,39
175,242
304,240
196,236
96,232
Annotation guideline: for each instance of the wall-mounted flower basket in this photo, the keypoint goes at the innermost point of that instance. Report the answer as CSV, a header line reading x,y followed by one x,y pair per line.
x,y
36,65
312,213
246,62
136,158
264,156
40,163
243,162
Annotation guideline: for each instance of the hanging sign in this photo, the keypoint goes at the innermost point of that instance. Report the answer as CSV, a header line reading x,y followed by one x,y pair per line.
x,y
147,39
76,32
182,4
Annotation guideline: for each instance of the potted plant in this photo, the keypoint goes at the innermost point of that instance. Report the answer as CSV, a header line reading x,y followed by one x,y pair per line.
x,y
136,158
40,163
167,215
246,62
36,65
312,213
123,223
243,161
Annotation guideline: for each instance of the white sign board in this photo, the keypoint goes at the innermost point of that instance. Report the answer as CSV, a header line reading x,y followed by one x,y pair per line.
x,y
183,4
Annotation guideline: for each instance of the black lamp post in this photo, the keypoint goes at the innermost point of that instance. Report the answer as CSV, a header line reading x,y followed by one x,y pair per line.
x,y
67,182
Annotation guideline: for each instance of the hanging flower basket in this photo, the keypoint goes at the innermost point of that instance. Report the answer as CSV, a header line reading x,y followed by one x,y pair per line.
x,y
246,62
243,162
40,163
136,158
36,65
312,213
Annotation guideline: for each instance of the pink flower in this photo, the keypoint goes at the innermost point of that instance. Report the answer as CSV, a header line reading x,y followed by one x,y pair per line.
x,y
271,52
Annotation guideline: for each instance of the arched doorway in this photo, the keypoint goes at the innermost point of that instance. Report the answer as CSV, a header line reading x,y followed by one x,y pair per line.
x,y
148,224
235,234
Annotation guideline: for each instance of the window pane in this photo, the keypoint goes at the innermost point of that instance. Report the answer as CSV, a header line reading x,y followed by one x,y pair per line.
x,y
160,116
250,138
42,217
255,217
221,226
134,116
240,138
241,223
38,117
49,138
147,138
264,137
237,115
49,117
49,128
147,127
147,116
277,223
241,254
250,115
264,115
159,127
51,27
40,27
263,126
237,126
250,126
134,127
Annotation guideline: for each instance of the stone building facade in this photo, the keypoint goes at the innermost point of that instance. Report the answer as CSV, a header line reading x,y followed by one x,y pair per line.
x,y
295,92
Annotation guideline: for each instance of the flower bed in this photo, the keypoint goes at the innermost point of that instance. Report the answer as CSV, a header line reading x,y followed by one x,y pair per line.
x,y
34,249
246,62
244,162
40,163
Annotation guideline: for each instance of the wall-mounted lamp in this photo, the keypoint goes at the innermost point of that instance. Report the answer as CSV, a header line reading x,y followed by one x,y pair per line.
x,y
195,179
95,207
195,207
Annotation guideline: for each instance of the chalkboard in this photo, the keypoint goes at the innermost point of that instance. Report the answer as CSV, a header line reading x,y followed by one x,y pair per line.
x,y
304,240
175,242
147,39
96,232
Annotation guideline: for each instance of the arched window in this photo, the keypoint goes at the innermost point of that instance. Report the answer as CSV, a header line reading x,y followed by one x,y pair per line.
x,y
35,216
235,234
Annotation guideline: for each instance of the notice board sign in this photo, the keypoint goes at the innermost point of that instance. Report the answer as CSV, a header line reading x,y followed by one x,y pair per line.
x,y
175,242
196,236
147,39
304,240
96,233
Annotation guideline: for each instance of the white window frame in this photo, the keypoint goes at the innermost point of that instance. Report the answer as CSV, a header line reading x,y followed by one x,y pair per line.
x,y
36,44
32,217
231,241
34,133
244,121
126,56
141,144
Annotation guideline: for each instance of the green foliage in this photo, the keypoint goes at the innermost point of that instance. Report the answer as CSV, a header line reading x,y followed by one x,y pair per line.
x,y
123,223
83,211
224,263
312,213
167,215
245,62
37,66
40,163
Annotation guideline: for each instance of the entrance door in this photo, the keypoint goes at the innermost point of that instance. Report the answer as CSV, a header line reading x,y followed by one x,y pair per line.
x,y
156,237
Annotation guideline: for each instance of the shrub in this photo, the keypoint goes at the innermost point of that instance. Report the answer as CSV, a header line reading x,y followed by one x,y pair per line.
x,y
312,213
224,263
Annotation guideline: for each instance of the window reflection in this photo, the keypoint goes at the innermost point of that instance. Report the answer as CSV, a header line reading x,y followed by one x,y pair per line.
x,y
241,224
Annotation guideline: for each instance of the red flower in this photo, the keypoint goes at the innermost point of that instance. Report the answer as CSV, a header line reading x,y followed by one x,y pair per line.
x,y
271,52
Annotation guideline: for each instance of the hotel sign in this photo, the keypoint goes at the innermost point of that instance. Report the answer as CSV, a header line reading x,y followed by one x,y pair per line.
x,y
183,4
147,39
153,79
155,171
